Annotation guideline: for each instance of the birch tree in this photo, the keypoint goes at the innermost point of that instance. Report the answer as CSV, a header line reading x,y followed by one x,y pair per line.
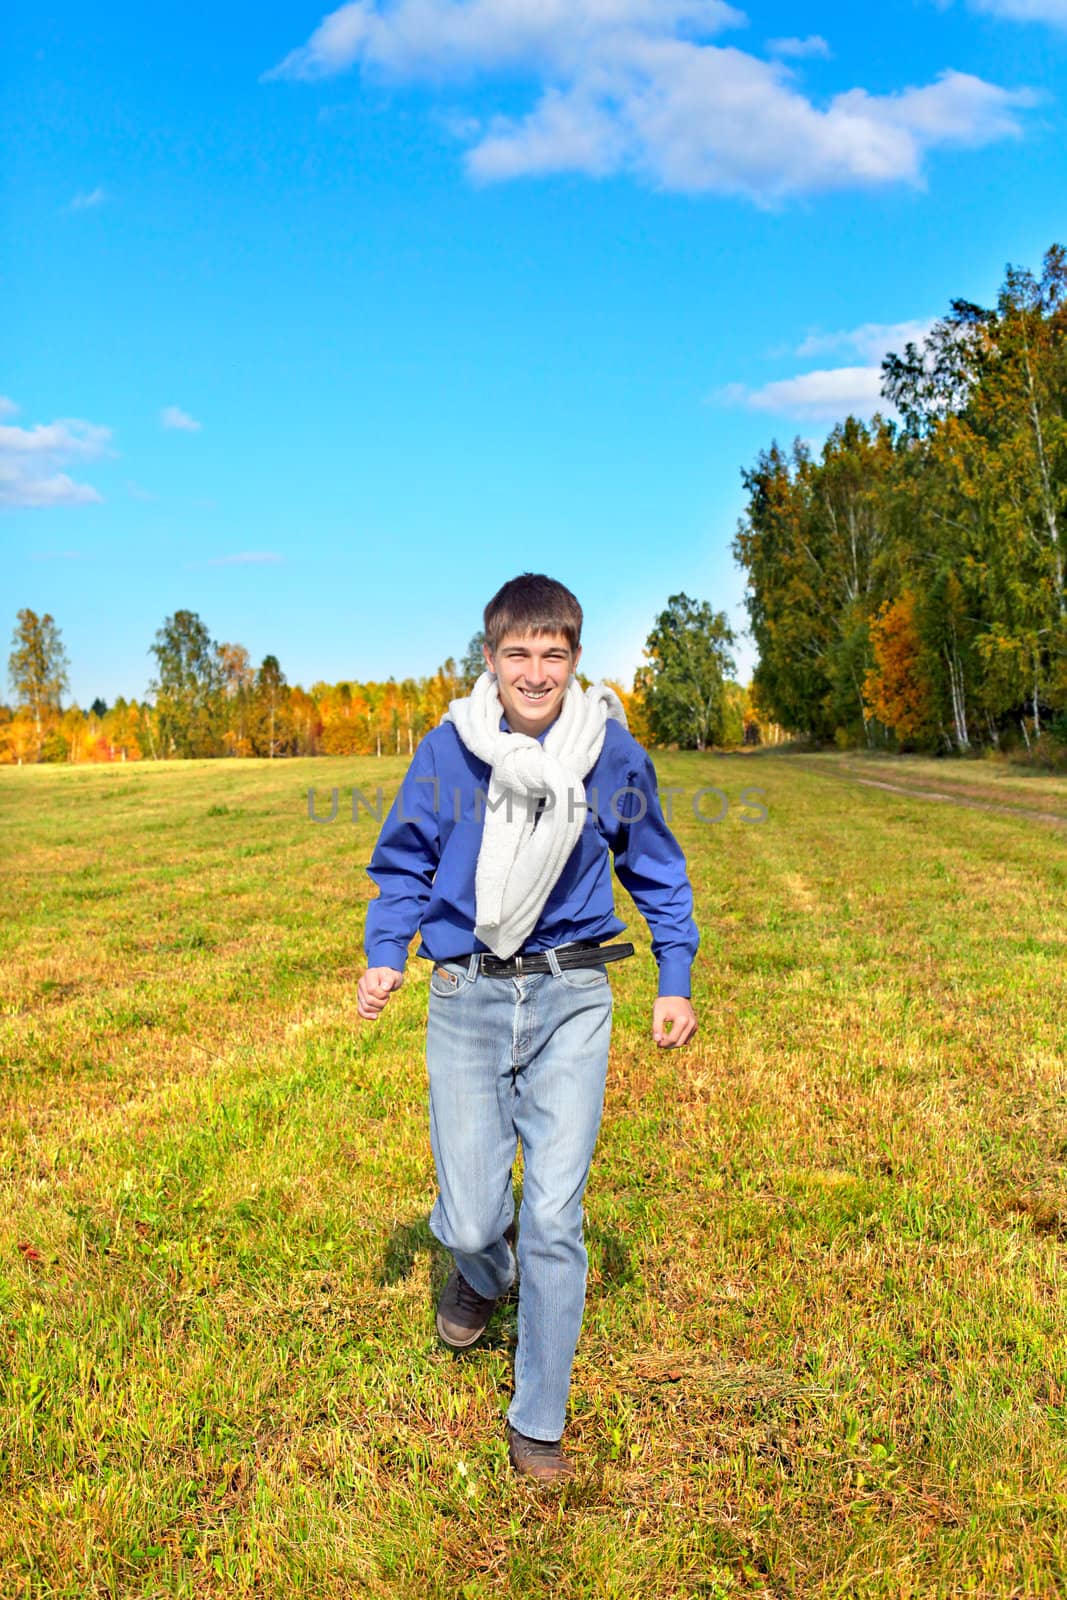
x,y
38,671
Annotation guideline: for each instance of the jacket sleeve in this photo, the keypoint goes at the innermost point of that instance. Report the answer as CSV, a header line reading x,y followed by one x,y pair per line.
x,y
651,867
403,864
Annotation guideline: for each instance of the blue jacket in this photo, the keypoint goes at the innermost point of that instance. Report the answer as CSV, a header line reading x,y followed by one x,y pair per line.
x,y
424,861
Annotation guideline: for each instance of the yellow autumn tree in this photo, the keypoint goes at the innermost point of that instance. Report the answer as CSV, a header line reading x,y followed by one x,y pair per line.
x,y
18,737
898,689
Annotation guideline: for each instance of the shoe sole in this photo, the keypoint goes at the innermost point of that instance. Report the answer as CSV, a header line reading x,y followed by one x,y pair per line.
x,y
455,1344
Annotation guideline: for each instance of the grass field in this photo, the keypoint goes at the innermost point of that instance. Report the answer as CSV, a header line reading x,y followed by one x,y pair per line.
x,y
825,1347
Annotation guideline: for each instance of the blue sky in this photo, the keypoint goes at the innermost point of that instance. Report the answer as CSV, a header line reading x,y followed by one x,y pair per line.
x,y
324,324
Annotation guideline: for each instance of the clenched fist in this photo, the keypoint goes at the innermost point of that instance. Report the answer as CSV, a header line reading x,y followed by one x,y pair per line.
x,y
373,990
674,1021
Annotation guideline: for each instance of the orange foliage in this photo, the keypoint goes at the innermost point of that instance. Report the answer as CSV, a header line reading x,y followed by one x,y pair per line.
x,y
897,689
18,739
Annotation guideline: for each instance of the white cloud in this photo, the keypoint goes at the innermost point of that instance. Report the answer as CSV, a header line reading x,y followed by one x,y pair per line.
x,y
54,489
696,119
636,86
872,340
439,38
1053,11
830,394
30,457
175,417
813,45
87,201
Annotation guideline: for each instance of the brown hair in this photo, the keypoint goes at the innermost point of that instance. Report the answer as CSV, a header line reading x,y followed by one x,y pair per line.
x,y
533,604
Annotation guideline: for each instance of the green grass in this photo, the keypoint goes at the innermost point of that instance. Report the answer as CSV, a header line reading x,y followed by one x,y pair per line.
x,y
824,1351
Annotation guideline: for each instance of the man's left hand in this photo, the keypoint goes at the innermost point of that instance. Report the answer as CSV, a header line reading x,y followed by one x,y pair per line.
x,y
674,1021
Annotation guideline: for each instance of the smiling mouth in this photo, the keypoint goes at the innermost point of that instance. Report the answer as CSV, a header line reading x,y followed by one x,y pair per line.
x,y
534,695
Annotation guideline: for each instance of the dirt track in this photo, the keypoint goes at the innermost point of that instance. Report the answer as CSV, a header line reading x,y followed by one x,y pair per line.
x,y
845,772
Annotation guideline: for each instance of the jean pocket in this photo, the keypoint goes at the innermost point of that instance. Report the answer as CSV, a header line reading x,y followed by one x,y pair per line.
x,y
584,977
448,978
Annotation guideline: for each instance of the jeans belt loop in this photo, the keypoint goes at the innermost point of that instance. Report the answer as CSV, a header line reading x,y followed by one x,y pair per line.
x,y
473,966
553,963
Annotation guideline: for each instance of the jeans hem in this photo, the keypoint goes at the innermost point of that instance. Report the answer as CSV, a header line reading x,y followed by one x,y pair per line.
x,y
541,1437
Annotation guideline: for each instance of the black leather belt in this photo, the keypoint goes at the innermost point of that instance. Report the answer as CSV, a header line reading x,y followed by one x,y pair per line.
x,y
583,953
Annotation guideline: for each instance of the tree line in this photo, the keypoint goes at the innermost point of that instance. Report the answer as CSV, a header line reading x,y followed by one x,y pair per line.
x,y
208,699
906,583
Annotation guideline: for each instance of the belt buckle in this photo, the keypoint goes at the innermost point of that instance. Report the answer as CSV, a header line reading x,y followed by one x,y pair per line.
x,y
518,966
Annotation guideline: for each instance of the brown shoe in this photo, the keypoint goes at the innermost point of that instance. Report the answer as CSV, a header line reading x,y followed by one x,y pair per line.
x,y
542,1459
462,1313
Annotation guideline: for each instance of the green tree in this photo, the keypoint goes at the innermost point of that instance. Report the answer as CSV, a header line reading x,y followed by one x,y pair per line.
x,y
38,667
988,471
930,383
814,542
849,534
1019,410
188,688
963,507
271,730
473,664
683,685
788,609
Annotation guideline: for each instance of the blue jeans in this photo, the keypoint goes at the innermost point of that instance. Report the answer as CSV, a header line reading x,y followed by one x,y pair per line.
x,y
520,1059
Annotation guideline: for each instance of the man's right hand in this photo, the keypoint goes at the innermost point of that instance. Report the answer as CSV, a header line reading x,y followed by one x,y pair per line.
x,y
373,990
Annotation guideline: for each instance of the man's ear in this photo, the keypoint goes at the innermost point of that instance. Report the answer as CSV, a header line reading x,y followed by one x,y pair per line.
x,y
577,658
488,658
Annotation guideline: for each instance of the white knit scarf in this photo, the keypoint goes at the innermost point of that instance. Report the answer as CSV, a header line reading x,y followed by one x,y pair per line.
x,y
522,853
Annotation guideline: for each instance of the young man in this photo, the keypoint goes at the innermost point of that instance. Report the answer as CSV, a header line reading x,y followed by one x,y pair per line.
x,y
497,850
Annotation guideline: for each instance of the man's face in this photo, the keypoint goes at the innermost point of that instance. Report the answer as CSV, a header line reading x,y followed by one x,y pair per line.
x,y
532,674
